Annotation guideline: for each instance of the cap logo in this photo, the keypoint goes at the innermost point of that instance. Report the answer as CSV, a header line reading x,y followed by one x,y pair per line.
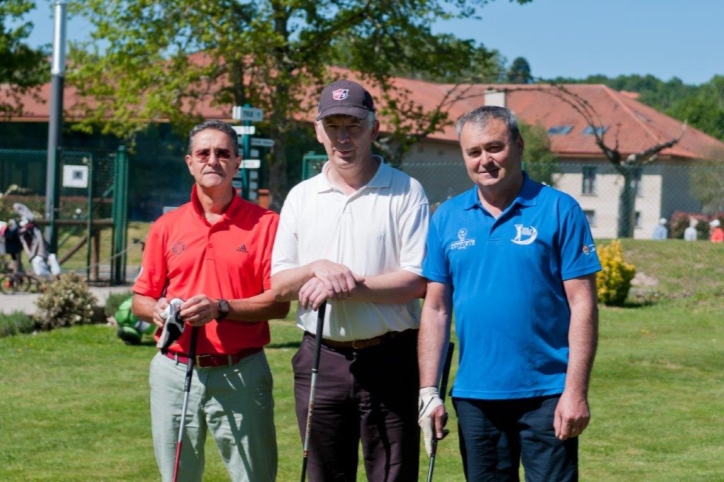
x,y
340,94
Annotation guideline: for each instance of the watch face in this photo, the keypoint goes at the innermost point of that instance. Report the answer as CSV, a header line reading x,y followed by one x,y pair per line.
x,y
223,306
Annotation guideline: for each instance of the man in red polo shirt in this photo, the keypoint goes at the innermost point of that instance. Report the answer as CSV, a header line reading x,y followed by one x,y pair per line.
x,y
214,253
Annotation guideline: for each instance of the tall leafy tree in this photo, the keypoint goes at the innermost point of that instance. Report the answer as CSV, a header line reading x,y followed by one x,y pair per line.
x,y
22,68
160,59
519,72
540,162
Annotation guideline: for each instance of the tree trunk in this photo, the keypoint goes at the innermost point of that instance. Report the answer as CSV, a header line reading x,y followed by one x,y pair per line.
x,y
627,201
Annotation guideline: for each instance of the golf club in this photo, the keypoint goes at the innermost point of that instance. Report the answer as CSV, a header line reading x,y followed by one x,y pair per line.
x,y
315,370
443,389
187,389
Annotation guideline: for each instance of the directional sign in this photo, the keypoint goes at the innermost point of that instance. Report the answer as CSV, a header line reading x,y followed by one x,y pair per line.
x,y
247,114
244,130
251,163
259,142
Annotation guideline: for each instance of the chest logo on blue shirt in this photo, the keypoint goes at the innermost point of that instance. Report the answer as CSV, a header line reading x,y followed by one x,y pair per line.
x,y
524,234
462,242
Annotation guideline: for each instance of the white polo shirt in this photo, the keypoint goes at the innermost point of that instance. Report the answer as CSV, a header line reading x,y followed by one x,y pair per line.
x,y
379,229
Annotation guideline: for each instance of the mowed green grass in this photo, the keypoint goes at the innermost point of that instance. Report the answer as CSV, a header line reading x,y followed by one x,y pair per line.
x,y
74,402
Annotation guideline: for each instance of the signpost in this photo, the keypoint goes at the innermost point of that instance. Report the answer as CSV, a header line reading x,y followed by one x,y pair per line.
x,y
248,114
259,142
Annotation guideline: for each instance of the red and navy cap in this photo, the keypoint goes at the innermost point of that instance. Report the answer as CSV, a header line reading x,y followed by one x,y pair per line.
x,y
344,97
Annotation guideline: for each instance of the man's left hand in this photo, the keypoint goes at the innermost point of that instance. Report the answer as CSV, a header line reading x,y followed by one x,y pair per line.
x,y
572,415
199,310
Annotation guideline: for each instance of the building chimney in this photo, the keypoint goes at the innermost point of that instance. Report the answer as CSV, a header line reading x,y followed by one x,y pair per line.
x,y
494,97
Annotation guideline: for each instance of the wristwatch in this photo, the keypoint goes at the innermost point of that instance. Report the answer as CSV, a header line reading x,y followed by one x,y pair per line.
x,y
223,307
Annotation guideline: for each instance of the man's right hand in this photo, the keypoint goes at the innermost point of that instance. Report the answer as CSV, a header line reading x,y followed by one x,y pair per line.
x,y
158,312
431,416
329,281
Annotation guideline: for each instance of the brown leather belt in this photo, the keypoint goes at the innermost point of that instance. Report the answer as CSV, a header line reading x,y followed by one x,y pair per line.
x,y
214,361
369,342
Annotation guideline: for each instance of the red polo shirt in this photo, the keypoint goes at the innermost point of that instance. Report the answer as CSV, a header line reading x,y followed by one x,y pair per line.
x,y
231,259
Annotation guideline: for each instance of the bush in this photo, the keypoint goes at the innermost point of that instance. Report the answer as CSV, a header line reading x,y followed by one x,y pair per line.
x,y
613,282
65,302
114,300
15,323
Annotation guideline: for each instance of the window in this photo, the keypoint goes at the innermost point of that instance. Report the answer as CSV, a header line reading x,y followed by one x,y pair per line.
x,y
637,222
560,129
589,180
590,216
600,130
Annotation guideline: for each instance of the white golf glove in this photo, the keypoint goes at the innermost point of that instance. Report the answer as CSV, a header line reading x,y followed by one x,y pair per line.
x,y
173,327
428,402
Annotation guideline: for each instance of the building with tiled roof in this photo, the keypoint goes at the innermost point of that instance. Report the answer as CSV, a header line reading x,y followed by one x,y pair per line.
x,y
585,173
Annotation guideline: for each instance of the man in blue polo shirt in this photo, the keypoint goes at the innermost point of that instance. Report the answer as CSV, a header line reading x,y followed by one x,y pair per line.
x,y
515,260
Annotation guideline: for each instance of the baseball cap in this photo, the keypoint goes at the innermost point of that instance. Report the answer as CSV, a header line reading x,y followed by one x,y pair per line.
x,y
715,224
344,97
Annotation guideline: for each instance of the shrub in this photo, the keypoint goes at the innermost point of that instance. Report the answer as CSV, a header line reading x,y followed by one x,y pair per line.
x,y
65,302
15,323
613,282
114,300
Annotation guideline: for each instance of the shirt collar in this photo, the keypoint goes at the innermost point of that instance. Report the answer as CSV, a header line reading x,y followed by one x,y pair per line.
x,y
230,211
526,195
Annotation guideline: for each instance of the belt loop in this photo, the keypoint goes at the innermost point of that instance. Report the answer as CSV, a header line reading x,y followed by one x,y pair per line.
x,y
229,360
175,358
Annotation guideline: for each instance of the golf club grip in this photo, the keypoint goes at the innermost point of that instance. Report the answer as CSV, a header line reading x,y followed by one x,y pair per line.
x,y
443,389
446,370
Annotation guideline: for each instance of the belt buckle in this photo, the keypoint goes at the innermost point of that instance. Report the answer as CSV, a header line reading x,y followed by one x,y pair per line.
x,y
198,360
362,344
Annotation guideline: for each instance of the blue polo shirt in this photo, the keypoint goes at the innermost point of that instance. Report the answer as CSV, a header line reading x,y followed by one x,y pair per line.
x,y
511,311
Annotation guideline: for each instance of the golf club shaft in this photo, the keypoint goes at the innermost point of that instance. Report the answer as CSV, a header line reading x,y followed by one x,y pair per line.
x,y
313,384
187,390
443,389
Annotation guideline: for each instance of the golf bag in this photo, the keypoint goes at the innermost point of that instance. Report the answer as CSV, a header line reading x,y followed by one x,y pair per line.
x,y
130,328
45,264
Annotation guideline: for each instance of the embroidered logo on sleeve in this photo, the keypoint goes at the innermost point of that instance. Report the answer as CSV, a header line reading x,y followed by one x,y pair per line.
x,y
589,249
462,242
524,234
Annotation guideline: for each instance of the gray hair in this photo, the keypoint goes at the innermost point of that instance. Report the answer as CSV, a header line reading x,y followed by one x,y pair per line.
x,y
480,116
370,119
218,126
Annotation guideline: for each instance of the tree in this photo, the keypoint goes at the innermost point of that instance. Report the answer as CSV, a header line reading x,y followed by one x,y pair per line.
x,y
540,162
519,72
707,184
629,167
22,68
153,60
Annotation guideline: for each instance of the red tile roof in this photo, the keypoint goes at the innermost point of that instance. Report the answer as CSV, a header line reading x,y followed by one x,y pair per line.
x,y
635,125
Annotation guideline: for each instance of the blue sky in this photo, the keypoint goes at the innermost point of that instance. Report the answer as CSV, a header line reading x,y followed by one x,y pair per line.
x,y
573,38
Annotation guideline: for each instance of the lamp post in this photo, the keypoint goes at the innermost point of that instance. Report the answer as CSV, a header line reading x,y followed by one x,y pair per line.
x,y
52,185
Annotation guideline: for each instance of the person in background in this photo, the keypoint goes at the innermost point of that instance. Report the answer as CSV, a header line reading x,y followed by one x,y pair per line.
x,y
354,236
660,231
214,254
516,263
690,233
717,234
13,246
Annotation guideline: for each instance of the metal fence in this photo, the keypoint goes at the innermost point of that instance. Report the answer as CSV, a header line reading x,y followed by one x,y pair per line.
x,y
85,196
673,191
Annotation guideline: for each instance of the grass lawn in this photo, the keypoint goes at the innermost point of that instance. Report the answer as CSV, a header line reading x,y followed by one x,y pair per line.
x,y
74,402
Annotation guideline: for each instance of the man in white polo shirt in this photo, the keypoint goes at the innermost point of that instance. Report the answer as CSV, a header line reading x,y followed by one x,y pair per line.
x,y
354,236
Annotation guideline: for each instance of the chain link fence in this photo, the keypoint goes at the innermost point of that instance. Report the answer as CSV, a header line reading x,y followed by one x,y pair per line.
x,y
85,191
676,192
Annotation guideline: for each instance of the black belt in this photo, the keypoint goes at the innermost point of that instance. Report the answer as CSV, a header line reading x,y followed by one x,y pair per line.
x,y
369,342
